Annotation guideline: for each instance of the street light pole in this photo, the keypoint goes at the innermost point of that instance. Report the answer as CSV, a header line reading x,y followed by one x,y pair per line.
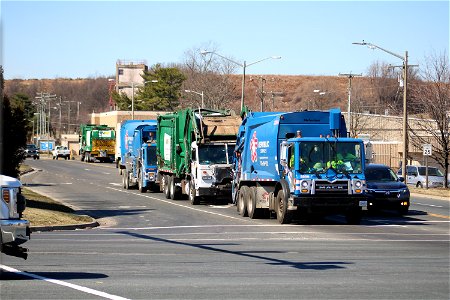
x,y
133,84
243,65
201,94
349,116
405,109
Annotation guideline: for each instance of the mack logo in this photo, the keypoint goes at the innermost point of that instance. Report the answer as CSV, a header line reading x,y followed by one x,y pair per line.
x,y
311,120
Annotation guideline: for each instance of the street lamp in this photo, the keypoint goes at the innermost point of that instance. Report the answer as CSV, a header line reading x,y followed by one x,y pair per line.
x,y
405,113
243,65
201,94
133,84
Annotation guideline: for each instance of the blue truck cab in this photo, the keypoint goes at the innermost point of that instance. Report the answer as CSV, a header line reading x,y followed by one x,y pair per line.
x,y
298,163
138,154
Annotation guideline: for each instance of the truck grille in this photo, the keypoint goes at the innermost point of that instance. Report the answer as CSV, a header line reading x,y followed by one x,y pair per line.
x,y
222,173
336,187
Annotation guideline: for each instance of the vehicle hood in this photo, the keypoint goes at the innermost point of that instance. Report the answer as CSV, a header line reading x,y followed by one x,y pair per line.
x,y
394,185
6,181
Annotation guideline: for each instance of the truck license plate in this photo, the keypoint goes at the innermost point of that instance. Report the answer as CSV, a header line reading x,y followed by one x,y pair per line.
x,y
363,203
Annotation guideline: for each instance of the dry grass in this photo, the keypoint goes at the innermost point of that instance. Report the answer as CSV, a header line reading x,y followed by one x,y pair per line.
x,y
441,192
43,211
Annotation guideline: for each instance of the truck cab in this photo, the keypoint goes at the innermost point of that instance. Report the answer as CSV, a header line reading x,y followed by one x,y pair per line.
x,y
326,167
14,230
211,169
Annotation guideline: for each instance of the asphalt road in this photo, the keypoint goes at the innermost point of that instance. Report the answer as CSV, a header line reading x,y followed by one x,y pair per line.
x,y
149,247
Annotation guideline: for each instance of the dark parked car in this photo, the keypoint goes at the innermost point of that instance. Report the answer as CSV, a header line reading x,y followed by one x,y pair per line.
x,y
32,151
385,190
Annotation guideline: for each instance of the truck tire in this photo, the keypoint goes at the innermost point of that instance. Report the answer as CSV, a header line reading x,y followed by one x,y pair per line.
x,y
172,188
166,183
242,200
141,186
283,215
252,211
192,197
126,180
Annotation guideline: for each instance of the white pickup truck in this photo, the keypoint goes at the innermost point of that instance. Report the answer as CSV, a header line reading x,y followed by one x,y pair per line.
x,y
61,151
14,230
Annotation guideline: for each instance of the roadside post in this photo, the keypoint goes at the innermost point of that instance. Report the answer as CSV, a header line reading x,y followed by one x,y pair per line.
x,y
427,150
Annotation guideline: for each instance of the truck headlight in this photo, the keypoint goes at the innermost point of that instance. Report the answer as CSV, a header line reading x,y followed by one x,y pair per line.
x,y
358,184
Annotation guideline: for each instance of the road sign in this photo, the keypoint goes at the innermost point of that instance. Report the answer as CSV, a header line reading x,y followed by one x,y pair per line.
x,y
427,149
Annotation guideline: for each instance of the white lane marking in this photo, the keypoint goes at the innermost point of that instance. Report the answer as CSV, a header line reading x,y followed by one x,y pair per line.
x,y
63,283
430,205
115,183
180,205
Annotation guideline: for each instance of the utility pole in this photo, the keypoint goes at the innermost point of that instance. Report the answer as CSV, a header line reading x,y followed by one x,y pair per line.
x,y
262,93
68,115
349,116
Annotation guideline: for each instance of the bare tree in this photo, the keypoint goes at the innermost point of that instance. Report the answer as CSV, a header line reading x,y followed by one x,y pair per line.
x,y
432,96
357,108
209,75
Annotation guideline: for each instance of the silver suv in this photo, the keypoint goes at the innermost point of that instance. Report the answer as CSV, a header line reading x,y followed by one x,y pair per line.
x,y
416,175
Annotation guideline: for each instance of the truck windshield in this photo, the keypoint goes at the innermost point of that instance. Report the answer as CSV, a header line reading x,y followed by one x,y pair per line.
x,y
213,154
151,156
343,157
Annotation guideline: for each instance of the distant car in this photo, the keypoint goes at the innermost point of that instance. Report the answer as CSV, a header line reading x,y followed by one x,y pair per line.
x,y
416,175
61,151
32,151
385,190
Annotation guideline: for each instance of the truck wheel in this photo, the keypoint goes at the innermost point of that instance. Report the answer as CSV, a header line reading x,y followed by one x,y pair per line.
x,y
251,203
419,185
192,197
141,187
172,188
242,199
166,183
283,215
126,180
123,180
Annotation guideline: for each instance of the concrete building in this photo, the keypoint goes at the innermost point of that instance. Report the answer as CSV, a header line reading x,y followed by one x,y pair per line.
x,y
128,74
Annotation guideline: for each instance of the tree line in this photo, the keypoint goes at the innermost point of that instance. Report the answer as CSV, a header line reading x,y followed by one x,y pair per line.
x,y
379,91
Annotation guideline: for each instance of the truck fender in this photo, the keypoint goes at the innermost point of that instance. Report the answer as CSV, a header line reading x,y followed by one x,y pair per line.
x,y
281,185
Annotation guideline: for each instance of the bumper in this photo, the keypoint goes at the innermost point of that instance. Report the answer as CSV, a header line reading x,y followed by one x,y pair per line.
x,y
314,204
215,191
15,232
388,203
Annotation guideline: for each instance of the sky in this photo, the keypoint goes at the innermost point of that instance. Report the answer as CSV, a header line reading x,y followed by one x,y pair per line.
x,y
81,39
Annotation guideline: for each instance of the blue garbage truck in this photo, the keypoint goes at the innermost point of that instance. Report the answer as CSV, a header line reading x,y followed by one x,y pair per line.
x,y
298,164
137,161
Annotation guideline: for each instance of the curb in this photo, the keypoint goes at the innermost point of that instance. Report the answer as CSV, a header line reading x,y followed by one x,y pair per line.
x,y
64,227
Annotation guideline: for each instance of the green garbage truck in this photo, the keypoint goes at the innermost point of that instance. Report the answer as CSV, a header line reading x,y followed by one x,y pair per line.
x,y
97,143
194,153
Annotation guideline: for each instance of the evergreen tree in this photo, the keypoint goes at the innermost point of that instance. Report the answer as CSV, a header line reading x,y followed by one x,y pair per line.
x,y
13,132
